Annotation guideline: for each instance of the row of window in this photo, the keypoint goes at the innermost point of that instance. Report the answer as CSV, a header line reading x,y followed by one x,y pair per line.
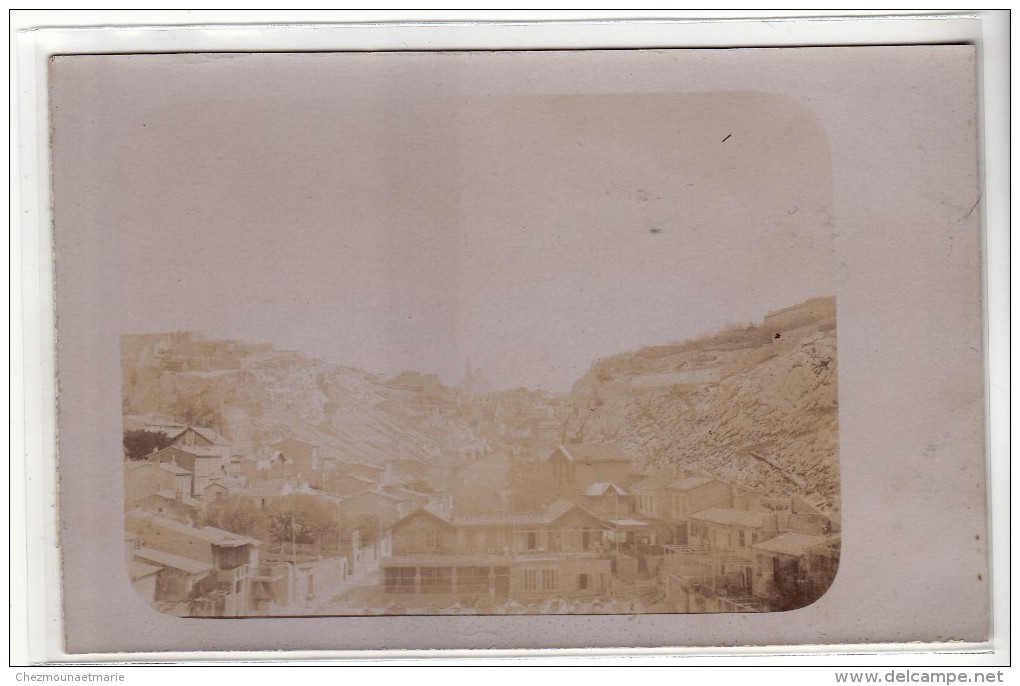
x,y
526,540
441,579
476,579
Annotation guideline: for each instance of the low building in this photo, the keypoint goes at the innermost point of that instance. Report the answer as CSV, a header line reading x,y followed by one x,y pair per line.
x,y
177,577
202,437
143,479
607,500
650,498
207,465
794,569
234,561
345,484
691,494
303,454
730,530
575,467
490,557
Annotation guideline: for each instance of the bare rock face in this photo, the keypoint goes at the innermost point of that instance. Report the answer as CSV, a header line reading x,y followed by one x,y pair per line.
x,y
750,405
351,414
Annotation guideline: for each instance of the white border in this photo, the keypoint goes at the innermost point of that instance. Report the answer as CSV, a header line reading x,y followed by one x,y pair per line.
x,y
35,597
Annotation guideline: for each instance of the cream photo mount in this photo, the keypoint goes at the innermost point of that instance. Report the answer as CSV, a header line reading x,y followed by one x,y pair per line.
x,y
864,286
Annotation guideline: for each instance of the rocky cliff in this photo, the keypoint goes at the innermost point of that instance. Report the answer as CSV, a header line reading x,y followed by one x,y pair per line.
x,y
755,405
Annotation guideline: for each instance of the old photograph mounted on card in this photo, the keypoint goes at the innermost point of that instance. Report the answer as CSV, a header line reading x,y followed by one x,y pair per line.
x,y
541,339
392,343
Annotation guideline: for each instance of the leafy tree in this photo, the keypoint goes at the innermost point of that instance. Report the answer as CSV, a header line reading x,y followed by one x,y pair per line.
x,y
303,518
236,515
139,443
369,527
196,407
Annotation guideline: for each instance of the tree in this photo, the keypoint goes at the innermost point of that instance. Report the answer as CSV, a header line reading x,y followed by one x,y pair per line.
x,y
303,518
139,444
369,527
237,515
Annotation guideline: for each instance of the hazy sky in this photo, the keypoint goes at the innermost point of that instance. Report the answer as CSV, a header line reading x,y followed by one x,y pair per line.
x,y
396,212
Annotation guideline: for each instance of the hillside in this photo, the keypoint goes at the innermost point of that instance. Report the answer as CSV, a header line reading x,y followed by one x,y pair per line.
x,y
256,398
755,405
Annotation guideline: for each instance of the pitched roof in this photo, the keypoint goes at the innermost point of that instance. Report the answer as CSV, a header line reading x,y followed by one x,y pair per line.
x,y
195,450
601,488
690,482
210,435
426,511
790,543
185,564
628,524
206,533
173,469
731,517
551,513
593,452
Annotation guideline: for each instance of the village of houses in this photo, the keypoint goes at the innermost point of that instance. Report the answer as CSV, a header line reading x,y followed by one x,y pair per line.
x,y
528,523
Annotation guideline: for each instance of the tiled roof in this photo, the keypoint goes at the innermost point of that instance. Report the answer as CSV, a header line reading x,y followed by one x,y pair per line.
x,y
731,517
790,543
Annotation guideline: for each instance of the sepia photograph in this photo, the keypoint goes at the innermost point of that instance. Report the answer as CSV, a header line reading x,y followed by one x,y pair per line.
x,y
395,346
499,349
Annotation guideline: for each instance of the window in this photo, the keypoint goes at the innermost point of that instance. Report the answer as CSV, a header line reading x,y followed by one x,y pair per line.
x,y
742,541
436,579
399,579
532,540
582,582
548,579
530,580
472,579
